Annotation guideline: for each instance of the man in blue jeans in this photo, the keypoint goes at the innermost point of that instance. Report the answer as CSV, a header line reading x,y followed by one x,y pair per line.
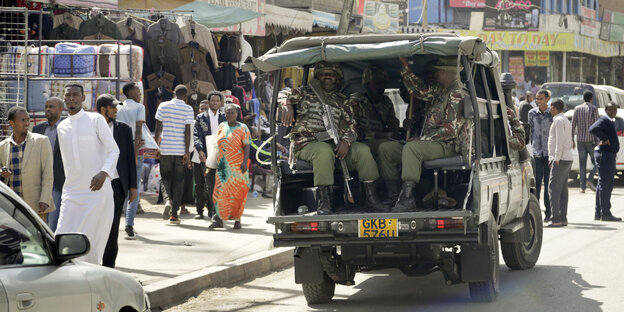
x,y
605,153
540,121
584,116
132,113
53,109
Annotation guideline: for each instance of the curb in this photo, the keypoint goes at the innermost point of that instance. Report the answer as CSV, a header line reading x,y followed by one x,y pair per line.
x,y
171,291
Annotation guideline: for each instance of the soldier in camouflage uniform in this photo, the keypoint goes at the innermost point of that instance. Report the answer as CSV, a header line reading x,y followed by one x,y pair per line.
x,y
446,131
323,154
374,111
516,141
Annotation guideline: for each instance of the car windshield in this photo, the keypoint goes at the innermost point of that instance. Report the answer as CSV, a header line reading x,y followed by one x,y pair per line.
x,y
571,95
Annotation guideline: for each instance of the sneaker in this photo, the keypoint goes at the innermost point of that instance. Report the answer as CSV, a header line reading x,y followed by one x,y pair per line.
x,y
199,217
555,224
174,220
611,218
547,219
591,186
597,217
130,233
184,211
167,212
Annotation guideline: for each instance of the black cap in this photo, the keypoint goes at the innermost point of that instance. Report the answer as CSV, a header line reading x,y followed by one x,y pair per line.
x,y
106,99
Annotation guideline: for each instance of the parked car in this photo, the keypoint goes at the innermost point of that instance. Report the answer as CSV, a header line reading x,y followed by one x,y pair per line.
x,y
616,94
572,93
39,272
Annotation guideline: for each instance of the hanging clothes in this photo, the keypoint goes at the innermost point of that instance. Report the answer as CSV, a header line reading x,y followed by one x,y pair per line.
x,y
98,28
160,89
164,54
196,71
197,92
246,51
166,29
192,52
230,49
64,32
137,32
226,77
203,36
65,17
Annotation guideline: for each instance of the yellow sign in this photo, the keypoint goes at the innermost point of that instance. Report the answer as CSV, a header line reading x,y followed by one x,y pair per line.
x,y
543,58
378,228
530,58
544,41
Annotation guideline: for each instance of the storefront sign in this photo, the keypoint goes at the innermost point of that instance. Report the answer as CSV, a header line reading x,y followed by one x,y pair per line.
x,y
612,26
589,27
255,27
511,15
470,4
516,67
530,58
543,58
380,17
402,10
545,41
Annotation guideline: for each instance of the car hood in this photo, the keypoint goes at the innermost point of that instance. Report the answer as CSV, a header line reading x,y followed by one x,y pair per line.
x,y
112,288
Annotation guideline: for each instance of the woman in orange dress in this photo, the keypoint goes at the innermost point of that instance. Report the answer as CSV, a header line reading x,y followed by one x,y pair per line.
x,y
232,178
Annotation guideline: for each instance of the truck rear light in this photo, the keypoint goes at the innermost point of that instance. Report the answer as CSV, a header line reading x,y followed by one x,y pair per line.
x,y
304,227
449,223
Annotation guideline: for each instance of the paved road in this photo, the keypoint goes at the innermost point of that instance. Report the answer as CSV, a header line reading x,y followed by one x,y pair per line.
x,y
579,270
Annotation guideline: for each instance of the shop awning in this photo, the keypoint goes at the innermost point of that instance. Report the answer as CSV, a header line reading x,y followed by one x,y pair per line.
x,y
324,19
103,4
213,16
310,50
288,18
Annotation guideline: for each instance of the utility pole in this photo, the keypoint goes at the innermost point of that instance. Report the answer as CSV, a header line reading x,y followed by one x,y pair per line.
x,y
345,17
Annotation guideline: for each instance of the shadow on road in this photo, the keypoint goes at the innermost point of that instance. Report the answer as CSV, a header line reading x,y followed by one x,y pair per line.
x,y
544,288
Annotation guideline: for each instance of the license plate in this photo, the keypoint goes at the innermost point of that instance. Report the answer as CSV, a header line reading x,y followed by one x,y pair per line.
x,y
378,228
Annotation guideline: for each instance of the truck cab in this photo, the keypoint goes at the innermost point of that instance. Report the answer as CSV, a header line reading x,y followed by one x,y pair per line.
x,y
492,184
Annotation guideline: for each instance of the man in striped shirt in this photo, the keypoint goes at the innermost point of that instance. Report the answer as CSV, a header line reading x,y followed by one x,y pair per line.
x,y
584,116
174,119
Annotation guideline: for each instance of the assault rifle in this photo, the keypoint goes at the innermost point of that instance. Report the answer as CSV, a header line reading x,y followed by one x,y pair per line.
x,y
330,125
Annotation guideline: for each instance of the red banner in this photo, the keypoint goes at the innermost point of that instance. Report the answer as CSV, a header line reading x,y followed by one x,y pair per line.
x,y
471,4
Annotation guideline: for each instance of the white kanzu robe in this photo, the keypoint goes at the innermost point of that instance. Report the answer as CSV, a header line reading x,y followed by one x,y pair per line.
x,y
87,147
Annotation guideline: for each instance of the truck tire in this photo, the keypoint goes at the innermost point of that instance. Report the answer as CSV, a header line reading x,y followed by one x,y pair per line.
x,y
524,255
487,291
317,293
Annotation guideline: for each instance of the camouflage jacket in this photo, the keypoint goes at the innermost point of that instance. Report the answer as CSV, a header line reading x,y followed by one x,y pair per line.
x,y
371,117
516,141
309,119
445,121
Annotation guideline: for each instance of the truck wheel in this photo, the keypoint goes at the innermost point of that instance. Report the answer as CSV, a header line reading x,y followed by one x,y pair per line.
x,y
486,291
523,255
323,292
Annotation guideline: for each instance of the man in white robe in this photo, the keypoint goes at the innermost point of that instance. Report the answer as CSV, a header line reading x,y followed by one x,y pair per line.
x,y
90,157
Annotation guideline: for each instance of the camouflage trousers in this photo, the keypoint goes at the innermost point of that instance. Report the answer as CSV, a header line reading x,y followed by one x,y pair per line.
x,y
411,155
323,159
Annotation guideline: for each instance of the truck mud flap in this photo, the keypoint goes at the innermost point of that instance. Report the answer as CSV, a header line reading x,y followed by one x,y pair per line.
x,y
476,263
308,266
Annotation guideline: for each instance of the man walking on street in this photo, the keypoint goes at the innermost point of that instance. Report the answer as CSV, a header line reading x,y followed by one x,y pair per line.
x,y
560,161
585,115
132,113
174,119
206,123
89,158
125,182
540,121
26,160
605,152
53,109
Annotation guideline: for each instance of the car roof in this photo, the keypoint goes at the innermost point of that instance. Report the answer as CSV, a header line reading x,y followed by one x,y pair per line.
x,y
302,51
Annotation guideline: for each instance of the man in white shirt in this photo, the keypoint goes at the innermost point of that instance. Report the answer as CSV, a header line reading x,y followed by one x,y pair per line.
x,y
174,119
560,161
132,113
89,157
206,123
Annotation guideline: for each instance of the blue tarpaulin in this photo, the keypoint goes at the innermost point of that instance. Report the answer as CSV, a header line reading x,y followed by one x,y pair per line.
x,y
213,16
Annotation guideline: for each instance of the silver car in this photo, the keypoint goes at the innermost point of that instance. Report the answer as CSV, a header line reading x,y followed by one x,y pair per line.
x,y
37,272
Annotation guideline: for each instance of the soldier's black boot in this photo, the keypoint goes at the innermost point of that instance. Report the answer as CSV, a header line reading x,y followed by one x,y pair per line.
x,y
323,200
373,204
406,201
392,192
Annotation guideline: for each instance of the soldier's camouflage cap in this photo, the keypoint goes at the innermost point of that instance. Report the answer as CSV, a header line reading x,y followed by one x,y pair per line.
x,y
372,73
322,65
447,63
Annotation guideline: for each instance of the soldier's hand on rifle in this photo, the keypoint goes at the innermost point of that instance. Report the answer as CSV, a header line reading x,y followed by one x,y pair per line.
x,y
288,115
342,149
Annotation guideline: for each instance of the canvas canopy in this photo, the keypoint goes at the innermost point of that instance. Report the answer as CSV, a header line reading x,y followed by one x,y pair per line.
x,y
309,50
213,16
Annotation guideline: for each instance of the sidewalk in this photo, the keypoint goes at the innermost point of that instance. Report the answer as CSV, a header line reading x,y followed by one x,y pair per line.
x,y
164,256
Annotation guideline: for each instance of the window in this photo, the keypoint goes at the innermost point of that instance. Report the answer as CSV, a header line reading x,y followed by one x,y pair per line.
x,y
21,243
